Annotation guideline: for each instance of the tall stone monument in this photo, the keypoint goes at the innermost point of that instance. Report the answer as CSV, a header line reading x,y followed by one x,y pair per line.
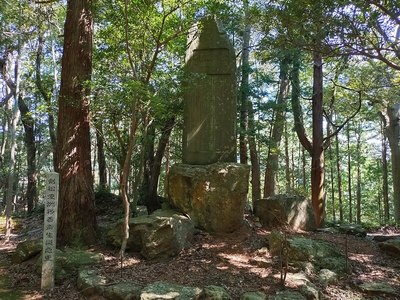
x,y
210,186
210,96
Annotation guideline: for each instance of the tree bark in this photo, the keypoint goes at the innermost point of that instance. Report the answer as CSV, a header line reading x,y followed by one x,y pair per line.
x,y
349,175
29,138
156,168
339,179
317,155
358,194
316,147
47,99
101,158
244,88
385,184
393,134
77,221
273,151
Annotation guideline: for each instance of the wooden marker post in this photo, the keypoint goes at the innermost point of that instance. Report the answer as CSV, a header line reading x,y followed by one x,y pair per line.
x,y
50,230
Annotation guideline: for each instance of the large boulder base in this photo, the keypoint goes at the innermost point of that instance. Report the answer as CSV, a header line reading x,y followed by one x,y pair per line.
x,y
300,250
160,235
282,210
214,196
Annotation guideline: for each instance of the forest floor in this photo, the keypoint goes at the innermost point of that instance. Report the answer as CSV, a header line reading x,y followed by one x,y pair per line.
x,y
238,261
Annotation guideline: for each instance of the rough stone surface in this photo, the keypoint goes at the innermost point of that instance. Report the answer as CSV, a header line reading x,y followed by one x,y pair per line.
x,y
287,295
209,96
306,287
70,261
281,210
327,277
123,291
321,254
213,292
90,283
159,235
378,287
163,290
26,250
214,196
254,296
391,247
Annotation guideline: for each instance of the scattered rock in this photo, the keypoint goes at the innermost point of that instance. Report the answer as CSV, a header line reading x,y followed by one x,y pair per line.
x,y
214,196
284,210
378,287
391,247
70,261
90,283
321,254
26,250
254,296
327,277
353,229
306,287
123,291
287,295
159,235
213,292
163,290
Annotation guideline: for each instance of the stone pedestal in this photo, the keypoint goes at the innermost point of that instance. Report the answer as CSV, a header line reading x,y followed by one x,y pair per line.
x,y
214,196
282,210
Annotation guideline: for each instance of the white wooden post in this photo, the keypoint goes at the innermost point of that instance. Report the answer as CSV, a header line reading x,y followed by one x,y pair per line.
x,y
50,230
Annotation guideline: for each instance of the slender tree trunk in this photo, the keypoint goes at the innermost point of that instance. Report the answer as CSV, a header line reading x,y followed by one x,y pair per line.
x,y
303,167
317,156
393,134
244,89
31,196
47,99
339,179
15,117
255,164
273,151
332,173
385,184
156,168
316,147
77,221
358,195
287,162
124,177
101,158
349,175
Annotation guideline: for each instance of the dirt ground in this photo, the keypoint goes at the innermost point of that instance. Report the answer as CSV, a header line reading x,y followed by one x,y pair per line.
x,y
238,261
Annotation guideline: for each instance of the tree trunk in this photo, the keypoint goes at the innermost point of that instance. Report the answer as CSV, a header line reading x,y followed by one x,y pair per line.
x,y
101,158
156,168
385,184
339,178
244,88
77,221
317,155
332,173
349,175
358,194
273,151
47,99
316,148
29,127
255,164
393,134
287,162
